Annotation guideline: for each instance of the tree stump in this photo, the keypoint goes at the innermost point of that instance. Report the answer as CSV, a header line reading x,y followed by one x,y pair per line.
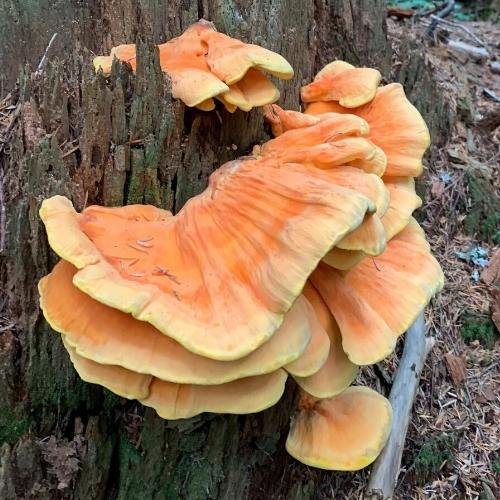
x,y
124,140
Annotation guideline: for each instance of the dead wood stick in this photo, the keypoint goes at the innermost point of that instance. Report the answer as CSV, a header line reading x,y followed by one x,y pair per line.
x,y
385,470
43,61
450,5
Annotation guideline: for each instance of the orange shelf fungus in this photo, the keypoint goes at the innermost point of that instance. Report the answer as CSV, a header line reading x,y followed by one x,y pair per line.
x,y
345,433
337,373
205,64
110,337
316,353
219,276
341,82
395,126
175,401
333,144
403,202
378,299
125,383
246,395
303,259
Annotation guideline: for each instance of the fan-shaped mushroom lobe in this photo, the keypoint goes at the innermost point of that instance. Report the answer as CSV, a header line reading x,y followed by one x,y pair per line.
x,y
339,81
246,395
337,373
346,432
396,127
125,383
111,337
219,276
378,299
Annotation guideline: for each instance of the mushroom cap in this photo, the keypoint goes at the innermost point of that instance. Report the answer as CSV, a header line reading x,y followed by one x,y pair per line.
x,y
175,401
346,432
125,383
316,353
337,373
396,126
342,82
331,127
219,276
246,395
369,237
230,59
343,259
253,90
110,337
282,120
378,299
338,149
403,202
204,64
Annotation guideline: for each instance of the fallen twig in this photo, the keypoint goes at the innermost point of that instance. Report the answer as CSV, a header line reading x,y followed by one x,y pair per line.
x,y
453,24
43,60
385,471
448,8
476,53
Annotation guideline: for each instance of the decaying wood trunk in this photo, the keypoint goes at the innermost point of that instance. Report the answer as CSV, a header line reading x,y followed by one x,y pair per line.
x,y
126,141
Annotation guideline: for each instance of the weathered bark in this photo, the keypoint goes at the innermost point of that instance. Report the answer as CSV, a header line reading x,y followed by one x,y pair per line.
x,y
136,145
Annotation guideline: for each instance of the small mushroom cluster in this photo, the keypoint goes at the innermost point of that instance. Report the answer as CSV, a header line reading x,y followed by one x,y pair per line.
x,y
205,64
301,260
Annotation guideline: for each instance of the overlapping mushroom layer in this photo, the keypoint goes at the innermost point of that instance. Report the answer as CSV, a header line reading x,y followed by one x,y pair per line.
x,y
205,64
373,284
303,260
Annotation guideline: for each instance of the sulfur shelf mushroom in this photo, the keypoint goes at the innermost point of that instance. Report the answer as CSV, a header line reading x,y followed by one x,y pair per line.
x,y
346,432
174,401
339,81
378,299
125,383
403,202
395,126
204,64
337,373
246,395
219,276
332,148
337,148
111,337
316,353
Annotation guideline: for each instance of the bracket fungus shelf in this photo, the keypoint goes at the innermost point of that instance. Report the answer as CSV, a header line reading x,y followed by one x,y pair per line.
x,y
204,65
302,260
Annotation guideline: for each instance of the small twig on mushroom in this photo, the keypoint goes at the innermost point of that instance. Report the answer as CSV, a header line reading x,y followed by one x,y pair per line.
x,y
386,468
43,60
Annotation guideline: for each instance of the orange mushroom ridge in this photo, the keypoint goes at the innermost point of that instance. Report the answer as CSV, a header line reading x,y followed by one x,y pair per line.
x,y
303,260
205,64
220,275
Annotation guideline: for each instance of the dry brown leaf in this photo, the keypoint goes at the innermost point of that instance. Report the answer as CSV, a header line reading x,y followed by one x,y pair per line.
x,y
456,368
495,308
491,274
437,189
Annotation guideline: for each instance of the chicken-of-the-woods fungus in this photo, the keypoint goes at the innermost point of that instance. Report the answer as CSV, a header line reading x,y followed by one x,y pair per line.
x,y
346,432
303,259
108,336
337,372
379,298
395,125
229,257
205,64
343,83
